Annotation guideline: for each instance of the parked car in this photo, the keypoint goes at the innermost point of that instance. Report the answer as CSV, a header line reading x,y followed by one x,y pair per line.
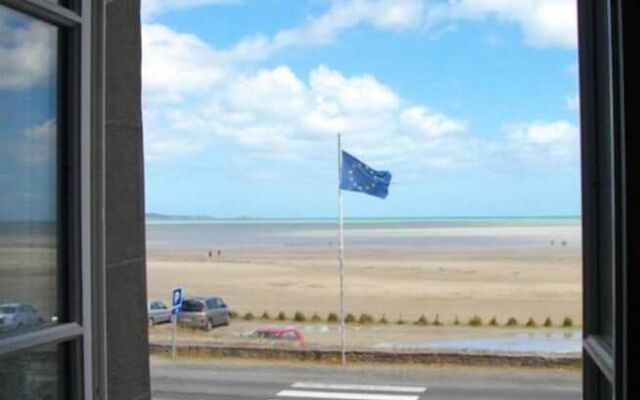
x,y
15,316
203,312
157,312
291,334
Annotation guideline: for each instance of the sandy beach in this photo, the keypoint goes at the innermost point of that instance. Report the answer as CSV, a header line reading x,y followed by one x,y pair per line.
x,y
504,270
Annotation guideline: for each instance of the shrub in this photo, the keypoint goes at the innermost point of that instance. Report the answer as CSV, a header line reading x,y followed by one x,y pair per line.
x,y
493,322
475,321
400,321
265,315
349,319
531,323
299,316
365,319
282,316
436,322
456,321
316,318
512,322
567,322
548,323
233,314
383,319
422,321
332,317
248,316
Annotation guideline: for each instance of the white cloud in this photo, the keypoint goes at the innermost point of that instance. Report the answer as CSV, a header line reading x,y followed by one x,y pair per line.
x,y
359,94
44,131
175,64
572,69
198,97
153,8
431,124
38,143
572,102
33,145
397,15
275,114
544,23
27,52
544,143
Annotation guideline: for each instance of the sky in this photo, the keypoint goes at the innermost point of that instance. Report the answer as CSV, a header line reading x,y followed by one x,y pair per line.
x,y
471,104
28,123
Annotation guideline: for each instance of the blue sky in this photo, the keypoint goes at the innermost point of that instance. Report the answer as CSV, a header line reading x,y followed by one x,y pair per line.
x,y
471,105
28,123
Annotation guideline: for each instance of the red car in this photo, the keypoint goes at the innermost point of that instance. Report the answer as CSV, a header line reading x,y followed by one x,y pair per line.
x,y
279,334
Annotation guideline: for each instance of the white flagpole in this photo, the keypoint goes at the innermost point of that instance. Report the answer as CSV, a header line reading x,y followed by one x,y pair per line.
x,y
341,256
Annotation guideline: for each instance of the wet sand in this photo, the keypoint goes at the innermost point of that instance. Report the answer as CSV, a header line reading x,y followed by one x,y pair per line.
x,y
524,276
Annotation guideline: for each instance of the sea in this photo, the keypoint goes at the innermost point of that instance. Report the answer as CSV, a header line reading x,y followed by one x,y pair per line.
x,y
453,232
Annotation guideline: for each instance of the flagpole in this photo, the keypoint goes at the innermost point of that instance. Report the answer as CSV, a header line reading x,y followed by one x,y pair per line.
x,y
341,255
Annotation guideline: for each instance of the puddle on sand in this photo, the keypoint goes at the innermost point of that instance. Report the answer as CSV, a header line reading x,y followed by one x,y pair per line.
x,y
522,342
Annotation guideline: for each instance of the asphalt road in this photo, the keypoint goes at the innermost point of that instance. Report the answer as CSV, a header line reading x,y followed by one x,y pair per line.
x,y
233,380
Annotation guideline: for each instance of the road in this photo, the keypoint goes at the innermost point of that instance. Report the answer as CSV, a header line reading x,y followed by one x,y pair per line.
x,y
233,380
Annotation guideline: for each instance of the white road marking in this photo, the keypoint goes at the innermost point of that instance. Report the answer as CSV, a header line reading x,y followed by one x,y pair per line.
x,y
367,388
343,395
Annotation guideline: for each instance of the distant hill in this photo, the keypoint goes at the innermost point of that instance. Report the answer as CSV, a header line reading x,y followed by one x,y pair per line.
x,y
166,217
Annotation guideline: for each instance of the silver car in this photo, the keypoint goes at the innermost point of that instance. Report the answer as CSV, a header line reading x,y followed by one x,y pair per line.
x,y
16,316
203,312
157,312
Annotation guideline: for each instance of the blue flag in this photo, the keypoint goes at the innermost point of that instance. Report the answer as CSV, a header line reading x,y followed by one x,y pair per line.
x,y
359,177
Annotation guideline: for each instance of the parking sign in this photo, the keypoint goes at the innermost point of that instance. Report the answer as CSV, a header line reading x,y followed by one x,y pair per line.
x,y
176,299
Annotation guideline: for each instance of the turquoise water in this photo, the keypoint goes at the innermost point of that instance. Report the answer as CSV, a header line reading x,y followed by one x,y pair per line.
x,y
459,232
522,342
469,221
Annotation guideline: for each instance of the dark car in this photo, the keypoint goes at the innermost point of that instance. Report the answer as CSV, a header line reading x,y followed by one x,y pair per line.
x,y
204,312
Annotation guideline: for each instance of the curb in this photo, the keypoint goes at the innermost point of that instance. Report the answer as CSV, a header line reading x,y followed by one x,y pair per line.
x,y
572,361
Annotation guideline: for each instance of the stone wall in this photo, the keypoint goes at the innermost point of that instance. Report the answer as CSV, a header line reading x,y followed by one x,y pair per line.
x,y
127,342
450,358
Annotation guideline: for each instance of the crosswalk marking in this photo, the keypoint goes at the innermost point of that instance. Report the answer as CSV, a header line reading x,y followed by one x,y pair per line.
x,y
343,395
368,388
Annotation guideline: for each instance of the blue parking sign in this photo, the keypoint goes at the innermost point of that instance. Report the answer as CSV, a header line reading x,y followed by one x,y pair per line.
x,y
176,299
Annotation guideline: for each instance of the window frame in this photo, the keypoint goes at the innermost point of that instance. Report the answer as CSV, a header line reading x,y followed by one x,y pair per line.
x,y
598,196
80,25
604,362
610,189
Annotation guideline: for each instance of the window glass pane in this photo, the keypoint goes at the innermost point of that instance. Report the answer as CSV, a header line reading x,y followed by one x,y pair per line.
x,y
35,374
29,268
192,306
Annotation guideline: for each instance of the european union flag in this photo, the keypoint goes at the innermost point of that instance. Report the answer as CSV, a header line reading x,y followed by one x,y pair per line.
x,y
359,177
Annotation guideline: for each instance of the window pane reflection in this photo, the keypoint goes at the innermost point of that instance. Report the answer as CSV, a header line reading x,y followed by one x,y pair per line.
x,y
35,374
29,268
